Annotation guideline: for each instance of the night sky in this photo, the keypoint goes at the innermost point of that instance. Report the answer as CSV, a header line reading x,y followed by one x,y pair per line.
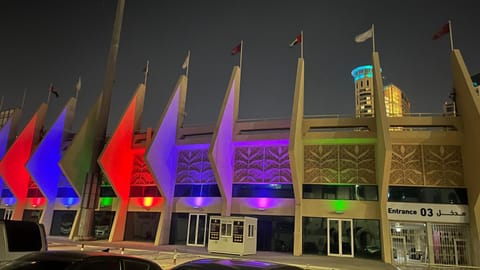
x,y
56,41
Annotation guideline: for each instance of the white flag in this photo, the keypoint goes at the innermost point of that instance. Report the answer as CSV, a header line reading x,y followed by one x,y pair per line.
x,y
187,61
364,36
79,84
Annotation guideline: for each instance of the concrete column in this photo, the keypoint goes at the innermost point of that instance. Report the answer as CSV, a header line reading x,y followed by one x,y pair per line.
x,y
118,227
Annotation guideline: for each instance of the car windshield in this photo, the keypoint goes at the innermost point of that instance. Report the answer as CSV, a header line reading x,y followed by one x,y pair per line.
x,y
37,265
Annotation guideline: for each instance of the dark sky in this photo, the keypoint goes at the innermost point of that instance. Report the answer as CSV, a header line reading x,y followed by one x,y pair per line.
x,y
58,40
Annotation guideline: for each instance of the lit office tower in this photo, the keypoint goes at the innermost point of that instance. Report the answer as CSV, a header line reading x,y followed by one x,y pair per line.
x,y
396,102
363,79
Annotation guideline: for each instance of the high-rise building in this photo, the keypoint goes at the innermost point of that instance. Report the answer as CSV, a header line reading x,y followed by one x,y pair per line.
x,y
396,102
363,91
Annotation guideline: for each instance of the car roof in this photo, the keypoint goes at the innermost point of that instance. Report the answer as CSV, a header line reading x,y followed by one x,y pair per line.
x,y
70,255
236,264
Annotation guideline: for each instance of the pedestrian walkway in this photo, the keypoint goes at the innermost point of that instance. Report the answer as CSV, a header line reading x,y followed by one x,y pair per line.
x,y
164,255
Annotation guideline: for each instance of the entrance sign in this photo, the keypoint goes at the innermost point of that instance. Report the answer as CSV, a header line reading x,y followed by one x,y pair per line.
x,y
449,213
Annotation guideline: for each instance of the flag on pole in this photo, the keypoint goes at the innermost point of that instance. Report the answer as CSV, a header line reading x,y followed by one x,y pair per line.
x,y
296,41
364,36
187,61
53,91
236,49
79,84
443,31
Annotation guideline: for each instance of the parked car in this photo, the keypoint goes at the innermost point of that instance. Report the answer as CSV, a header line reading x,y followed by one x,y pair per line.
x,y
79,260
229,264
102,231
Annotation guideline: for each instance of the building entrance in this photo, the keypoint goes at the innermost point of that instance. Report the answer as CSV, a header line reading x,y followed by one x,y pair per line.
x,y
197,230
340,237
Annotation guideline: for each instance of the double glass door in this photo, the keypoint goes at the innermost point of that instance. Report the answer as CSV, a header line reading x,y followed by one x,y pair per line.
x,y
197,229
340,237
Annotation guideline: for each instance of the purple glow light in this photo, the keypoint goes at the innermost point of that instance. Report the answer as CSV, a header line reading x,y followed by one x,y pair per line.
x,y
199,202
261,203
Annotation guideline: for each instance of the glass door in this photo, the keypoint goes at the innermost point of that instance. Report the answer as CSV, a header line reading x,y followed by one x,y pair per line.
x,y
399,249
340,237
197,229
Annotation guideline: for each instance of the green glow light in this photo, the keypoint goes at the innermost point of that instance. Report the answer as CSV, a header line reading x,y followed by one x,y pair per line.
x,y
106,201
339,205
340,141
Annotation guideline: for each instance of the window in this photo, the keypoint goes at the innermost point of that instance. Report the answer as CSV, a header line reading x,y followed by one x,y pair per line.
x,y
226,230
100,265
135,265
251,230
427,195
340,192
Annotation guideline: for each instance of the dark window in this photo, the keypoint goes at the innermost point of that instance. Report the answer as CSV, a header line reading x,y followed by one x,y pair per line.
x,y
340,192
6,193
427,195
100,265
199,190
136,265
23,236
262,190
62,222
66,192
107,191
34,193
144,191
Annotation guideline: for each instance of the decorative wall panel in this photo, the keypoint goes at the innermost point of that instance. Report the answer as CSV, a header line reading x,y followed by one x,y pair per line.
x,y
443,165
407,168
262,164
357,164
439,165
141,175
321,164
193,167
348,164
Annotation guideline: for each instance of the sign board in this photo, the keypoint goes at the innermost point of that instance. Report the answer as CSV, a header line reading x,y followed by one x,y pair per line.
x,y
423,212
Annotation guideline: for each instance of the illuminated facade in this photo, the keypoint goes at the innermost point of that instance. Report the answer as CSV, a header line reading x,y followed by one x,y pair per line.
x,y
315,185
396,102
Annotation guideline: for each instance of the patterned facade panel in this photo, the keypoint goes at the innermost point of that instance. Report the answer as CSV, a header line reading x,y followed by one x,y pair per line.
x,y
141,175
321,164
407,168
443,165
249,164
277,165
193,166
357,164
262,164
208,176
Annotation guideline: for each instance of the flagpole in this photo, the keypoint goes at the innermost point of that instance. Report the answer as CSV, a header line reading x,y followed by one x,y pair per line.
x,y
451,34
188,64
146,74
78,86
241,53
49,93
24,97
373,37
301,44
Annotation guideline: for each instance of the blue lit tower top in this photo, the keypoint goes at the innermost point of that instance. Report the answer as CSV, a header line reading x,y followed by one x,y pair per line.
x,y
363,80
362,72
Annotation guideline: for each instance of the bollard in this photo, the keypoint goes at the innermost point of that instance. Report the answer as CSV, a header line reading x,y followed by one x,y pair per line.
x,y
82,248
122,251
175,257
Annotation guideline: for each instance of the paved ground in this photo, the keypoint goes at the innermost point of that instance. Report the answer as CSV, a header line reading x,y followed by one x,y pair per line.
x,y
163,255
